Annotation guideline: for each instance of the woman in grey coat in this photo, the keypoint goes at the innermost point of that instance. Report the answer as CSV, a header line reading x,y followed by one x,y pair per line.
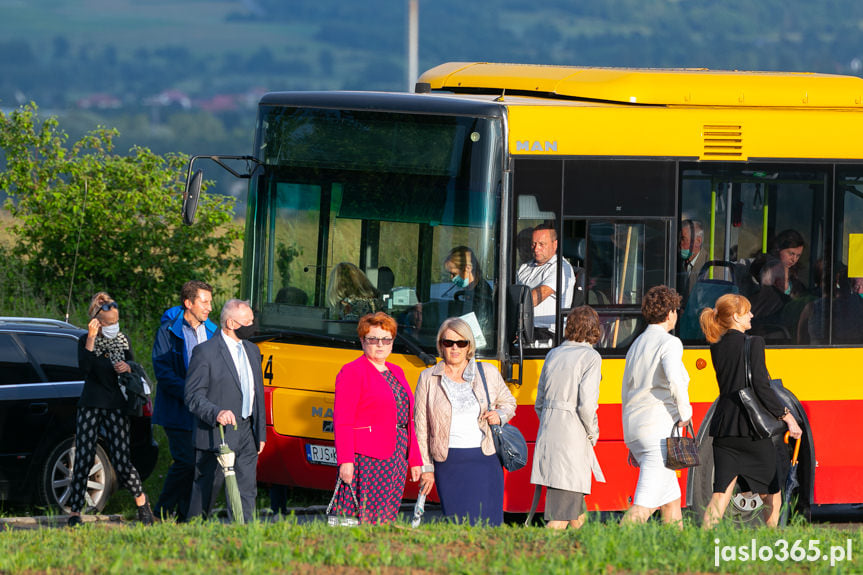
x,y
566,401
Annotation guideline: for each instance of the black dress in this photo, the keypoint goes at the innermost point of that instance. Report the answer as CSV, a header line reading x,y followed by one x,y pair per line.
x,y
736,453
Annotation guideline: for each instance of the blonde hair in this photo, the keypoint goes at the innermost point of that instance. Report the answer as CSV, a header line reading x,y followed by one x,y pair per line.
x,y
348,281
461,327
716,321
100,299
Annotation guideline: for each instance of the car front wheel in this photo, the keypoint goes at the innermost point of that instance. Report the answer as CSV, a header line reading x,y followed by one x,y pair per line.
x,y
57,473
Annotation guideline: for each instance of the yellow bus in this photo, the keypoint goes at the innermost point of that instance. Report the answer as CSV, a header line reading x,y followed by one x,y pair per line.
x,y
645,175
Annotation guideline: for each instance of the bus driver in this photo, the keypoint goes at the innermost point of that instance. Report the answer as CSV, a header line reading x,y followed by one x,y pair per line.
x,y
540,275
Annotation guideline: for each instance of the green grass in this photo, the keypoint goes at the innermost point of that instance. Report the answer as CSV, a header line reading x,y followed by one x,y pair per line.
x,y
440,548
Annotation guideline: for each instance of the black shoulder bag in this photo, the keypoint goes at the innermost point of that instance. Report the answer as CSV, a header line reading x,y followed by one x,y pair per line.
x,y
762,423
508,441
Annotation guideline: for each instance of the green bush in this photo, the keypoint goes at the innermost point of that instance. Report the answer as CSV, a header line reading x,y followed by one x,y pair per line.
x,y
96,220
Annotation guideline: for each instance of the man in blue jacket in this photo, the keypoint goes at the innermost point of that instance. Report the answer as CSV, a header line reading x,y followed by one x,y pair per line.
x,y
182,328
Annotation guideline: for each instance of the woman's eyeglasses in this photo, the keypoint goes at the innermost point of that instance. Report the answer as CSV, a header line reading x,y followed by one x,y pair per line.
x,y
462,343
378,340
106,307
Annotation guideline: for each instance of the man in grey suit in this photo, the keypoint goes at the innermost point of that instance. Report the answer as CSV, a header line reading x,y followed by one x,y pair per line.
x,y
225,386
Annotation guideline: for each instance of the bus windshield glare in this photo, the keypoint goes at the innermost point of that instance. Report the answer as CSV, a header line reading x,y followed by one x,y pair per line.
x,y
361,211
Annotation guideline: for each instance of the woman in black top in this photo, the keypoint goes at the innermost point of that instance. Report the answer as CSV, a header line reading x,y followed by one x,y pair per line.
x,y
473,292
737,455
103,353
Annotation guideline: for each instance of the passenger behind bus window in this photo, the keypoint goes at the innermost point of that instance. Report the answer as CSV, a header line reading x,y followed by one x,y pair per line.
x,y
771,297
350,294
787,248
473,292
812,325
540,275
292,296
692,257
782,295
848,312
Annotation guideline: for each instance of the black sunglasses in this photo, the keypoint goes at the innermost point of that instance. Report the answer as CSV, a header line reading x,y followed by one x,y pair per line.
x,y
462,343
106,307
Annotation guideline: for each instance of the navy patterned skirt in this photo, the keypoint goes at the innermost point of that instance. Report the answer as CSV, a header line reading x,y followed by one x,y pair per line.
x,y
380,483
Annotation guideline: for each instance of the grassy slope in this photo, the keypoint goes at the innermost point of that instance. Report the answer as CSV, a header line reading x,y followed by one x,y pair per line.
x,y
128,25
201,26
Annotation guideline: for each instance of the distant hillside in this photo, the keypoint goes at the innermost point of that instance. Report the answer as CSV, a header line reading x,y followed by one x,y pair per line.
x,y
185,74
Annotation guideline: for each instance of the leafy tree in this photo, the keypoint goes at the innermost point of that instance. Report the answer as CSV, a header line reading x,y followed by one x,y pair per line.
x,y
122,213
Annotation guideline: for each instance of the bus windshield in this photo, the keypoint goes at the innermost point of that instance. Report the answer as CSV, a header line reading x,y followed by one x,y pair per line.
x,y
365,211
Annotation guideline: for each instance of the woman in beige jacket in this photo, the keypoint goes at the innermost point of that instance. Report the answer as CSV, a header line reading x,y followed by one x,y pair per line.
x,y
452,417
567,398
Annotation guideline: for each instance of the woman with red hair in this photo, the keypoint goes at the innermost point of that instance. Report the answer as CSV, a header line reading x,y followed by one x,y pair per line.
x,y
374,426
739,456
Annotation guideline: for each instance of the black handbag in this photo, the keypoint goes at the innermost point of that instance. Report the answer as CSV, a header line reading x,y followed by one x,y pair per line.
x,y
681,451
762,423
509,443
135,387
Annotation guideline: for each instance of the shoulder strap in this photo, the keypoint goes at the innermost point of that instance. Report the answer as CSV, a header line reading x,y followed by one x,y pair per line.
x,y
484,383
747,363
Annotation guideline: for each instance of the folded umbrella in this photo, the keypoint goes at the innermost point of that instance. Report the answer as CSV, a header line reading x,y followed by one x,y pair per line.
x,y
226,459
791,482
419,509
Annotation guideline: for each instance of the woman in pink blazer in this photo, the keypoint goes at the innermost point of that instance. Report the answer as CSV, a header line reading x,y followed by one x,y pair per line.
x,y
374,426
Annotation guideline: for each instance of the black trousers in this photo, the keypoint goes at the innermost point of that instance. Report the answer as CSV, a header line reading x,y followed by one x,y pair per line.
x,y
178,481
210,480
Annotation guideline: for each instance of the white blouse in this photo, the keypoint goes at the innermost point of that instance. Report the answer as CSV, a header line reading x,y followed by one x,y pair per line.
x,y
464,431
655,392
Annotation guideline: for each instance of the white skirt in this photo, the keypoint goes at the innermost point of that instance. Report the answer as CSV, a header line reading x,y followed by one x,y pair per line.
x,y
657,485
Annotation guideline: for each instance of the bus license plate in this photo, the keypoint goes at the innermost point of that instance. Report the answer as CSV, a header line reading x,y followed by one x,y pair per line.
x,y
321,454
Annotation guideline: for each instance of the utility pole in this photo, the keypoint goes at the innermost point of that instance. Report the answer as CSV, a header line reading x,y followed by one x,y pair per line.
x,y
413,42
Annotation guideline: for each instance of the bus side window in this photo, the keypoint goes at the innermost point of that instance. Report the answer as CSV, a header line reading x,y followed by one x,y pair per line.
x,y
847,314
615,263
766,223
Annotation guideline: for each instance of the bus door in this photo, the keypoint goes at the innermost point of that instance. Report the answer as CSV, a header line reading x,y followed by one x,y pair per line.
x,y
615,222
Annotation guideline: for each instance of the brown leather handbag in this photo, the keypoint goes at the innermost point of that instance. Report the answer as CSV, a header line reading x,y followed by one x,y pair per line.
x,y
682,451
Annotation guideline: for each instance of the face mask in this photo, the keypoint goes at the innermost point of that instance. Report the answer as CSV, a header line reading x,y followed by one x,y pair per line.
x,y
245,331
460,281
111,331
684,254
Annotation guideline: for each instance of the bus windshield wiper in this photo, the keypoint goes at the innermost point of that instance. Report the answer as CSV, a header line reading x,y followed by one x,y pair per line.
x,y
415,348
408,341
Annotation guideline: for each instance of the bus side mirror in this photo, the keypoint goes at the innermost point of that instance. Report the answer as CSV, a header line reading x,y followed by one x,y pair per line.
x,y
190,197
519,326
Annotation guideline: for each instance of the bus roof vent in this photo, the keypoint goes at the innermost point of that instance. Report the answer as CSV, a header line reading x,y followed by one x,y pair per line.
x,y
722,141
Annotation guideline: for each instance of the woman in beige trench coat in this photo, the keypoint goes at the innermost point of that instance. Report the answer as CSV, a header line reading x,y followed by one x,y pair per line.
x,y
566,401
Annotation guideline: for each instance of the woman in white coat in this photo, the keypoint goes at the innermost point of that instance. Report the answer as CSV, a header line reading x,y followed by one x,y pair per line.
x,y
655,397
566,401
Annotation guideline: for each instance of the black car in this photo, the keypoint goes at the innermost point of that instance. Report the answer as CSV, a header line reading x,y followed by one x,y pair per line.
x,y
40,384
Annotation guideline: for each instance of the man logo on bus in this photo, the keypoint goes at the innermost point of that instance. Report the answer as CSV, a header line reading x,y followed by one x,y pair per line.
x,y
319,412
536,146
